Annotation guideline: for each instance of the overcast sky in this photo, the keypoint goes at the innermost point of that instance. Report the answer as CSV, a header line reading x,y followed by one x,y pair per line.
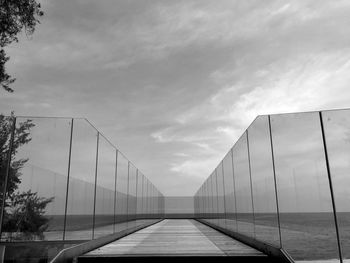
x,y
174,83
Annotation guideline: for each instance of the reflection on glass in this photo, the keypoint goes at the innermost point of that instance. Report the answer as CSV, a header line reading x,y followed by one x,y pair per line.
x,y
80,205
53,176
145,198
139,195
337,132
263,183
35,203
245,216
230,201
215,198
220,195
210,197
207,200
104,211
306,215
131,194
122,188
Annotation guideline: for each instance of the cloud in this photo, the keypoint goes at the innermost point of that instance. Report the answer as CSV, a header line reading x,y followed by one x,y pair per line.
x,y
194,168
176,83
310,83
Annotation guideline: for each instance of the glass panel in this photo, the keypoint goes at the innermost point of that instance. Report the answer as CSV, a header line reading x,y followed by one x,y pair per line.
x,y
81,182
308,230
337,131
204,201
216,198
220,195
265,208
122,189
162,205
230,202
37,179
210,198
132,195
104,211
6,129
152,200
202,197
157,203
199,203
145,198
139,194
245,216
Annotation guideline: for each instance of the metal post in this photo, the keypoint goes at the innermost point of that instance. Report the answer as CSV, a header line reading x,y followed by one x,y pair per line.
x,y
68,177
251,182
9,155
331,187
96,166
115,188
274,178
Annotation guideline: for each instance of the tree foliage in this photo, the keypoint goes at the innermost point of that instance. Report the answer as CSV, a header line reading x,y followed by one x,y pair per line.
x,y
21,137
25,214
15,15
23,211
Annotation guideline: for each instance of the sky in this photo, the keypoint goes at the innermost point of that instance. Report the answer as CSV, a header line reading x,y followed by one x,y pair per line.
x,y
173,84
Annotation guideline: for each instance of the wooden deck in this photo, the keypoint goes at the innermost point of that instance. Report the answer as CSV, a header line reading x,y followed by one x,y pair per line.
x,y
175,237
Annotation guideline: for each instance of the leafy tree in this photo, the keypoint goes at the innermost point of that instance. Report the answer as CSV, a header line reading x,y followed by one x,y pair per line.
x,y
23,211
25,214
15,15
21,137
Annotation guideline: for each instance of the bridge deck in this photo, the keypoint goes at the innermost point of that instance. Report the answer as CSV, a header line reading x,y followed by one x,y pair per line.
x,y
177,237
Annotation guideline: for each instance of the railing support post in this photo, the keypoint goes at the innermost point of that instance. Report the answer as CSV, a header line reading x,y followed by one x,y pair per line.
x,y
251,181
68,177
331,186
275,181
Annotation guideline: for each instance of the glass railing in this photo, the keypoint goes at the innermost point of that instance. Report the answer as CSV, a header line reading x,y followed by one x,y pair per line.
x,y
61,179
286,182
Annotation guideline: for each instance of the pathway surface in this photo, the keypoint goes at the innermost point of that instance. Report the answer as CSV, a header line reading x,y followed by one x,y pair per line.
x,y
175,237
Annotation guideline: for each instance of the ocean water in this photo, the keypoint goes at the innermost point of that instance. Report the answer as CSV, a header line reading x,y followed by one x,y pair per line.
x,y
305,236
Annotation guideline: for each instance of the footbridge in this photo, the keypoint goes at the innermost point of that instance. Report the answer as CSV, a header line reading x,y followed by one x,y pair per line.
x,y
280,194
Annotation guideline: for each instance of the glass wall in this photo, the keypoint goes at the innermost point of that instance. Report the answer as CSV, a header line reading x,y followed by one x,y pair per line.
x,y
244,203
337,134
131,204
81,187
285,183
105,183
66,181
220,195
122,192
263,182
36,186
230,200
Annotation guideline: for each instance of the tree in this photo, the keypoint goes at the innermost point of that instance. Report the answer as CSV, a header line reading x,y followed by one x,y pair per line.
x,y
23,211
25,214
15,15
21,137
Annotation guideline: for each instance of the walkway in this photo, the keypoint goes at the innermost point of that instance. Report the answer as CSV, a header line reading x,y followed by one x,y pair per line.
x,y
176,238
